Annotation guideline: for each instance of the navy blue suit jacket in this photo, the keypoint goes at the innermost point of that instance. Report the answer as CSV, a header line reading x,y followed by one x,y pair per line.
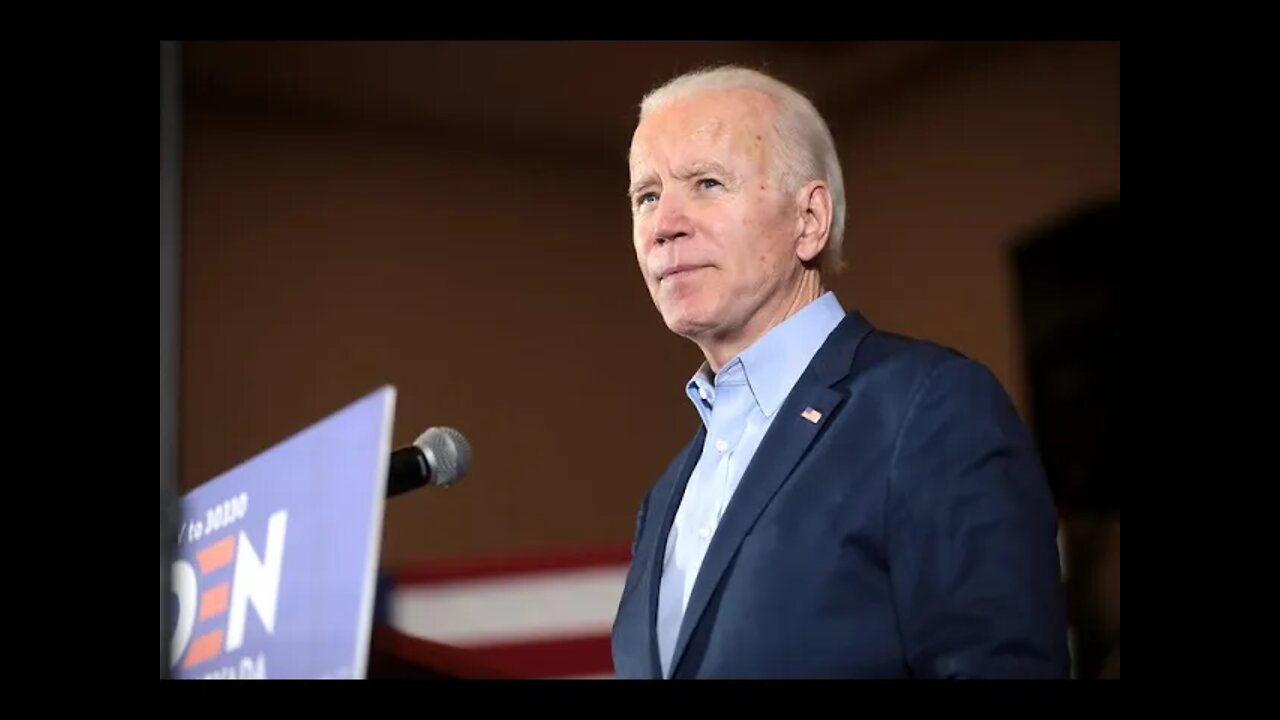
x,y
908,533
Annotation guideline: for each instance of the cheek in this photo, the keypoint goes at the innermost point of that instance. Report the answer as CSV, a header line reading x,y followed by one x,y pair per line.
x,y
746,243
770,248
754,247
638,234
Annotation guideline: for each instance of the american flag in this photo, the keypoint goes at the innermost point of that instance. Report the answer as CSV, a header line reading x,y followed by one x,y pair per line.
x,y
536,616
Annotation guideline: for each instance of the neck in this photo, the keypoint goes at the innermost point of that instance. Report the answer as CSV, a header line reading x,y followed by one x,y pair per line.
x,y
720,350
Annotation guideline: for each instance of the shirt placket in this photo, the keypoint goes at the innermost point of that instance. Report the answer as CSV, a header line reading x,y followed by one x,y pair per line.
x,y
730,424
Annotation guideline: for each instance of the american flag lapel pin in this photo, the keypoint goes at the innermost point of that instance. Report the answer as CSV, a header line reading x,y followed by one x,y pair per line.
x,y
811,415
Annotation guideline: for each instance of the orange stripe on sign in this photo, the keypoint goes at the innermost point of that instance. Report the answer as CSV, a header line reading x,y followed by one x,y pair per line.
x,y
205,647
214,601
216,555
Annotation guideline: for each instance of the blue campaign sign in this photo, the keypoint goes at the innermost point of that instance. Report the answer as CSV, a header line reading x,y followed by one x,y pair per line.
x,y
276,558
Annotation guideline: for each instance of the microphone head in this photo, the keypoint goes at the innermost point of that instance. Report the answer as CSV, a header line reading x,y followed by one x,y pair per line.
x,y
447,452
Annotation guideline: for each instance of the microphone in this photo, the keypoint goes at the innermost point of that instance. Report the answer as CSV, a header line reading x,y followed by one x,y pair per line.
x,y
439,457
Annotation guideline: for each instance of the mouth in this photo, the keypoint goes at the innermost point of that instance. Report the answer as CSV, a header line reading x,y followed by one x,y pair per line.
x,y
677,271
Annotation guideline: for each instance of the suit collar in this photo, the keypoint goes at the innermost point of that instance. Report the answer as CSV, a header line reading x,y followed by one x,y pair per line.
x,y
772,364
801,416
834,361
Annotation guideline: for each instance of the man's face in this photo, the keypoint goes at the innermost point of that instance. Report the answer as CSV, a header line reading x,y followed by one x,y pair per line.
x,y
714,233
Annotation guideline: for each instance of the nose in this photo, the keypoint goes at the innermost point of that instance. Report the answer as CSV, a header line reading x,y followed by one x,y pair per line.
x,y
670,221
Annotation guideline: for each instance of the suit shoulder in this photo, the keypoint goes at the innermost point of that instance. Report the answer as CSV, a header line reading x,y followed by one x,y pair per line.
x,y
904,355
895,368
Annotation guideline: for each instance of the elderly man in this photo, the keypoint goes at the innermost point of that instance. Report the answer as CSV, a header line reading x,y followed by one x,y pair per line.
x,y
854,504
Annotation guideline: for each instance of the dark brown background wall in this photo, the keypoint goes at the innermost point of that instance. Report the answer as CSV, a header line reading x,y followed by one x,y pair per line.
x,y
342,230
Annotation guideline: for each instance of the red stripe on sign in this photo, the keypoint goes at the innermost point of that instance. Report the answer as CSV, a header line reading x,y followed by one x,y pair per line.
x,y
205,647
505,566
564,657
214,601
217,555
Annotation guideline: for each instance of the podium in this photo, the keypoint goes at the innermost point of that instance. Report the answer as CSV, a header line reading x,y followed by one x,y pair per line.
x,y
275,561
276,575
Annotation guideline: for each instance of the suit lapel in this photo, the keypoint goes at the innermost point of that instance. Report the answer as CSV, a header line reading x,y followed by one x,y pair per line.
x,y
799,419
657,542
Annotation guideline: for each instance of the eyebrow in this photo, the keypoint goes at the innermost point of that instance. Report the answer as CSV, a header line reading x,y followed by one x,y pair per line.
x,y
702,168
686,172
643,182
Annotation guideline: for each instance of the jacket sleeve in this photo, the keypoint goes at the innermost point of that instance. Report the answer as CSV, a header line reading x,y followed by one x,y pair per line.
x,y
971,535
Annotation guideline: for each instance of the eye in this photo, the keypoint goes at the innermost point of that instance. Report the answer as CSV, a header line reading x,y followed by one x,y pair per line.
x,y
642,198
708,183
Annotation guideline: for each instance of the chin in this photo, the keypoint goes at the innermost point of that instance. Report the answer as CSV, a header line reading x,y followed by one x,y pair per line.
x,y
687,317
686,327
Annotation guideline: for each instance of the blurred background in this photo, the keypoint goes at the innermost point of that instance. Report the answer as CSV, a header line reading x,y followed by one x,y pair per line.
x,y
449,218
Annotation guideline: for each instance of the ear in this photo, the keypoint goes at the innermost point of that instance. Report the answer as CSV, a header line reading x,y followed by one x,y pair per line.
x,y
813,203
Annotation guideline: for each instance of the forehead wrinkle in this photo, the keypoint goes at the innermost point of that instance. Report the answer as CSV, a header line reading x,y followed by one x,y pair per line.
x,y
748,139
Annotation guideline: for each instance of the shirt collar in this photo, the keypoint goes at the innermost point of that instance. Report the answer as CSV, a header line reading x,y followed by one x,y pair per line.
x,y
773,363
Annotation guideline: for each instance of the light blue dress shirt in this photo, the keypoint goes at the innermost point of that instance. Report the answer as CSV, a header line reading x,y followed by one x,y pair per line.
x,y
737,407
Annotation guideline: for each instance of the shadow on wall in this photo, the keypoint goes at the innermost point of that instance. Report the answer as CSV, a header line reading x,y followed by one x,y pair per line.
x,y
1068,282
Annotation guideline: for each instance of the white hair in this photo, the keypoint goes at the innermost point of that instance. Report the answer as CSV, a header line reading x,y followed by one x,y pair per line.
x,y
805,150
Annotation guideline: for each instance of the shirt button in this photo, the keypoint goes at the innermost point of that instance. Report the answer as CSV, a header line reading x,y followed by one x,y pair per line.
x,y
704,533
722,445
